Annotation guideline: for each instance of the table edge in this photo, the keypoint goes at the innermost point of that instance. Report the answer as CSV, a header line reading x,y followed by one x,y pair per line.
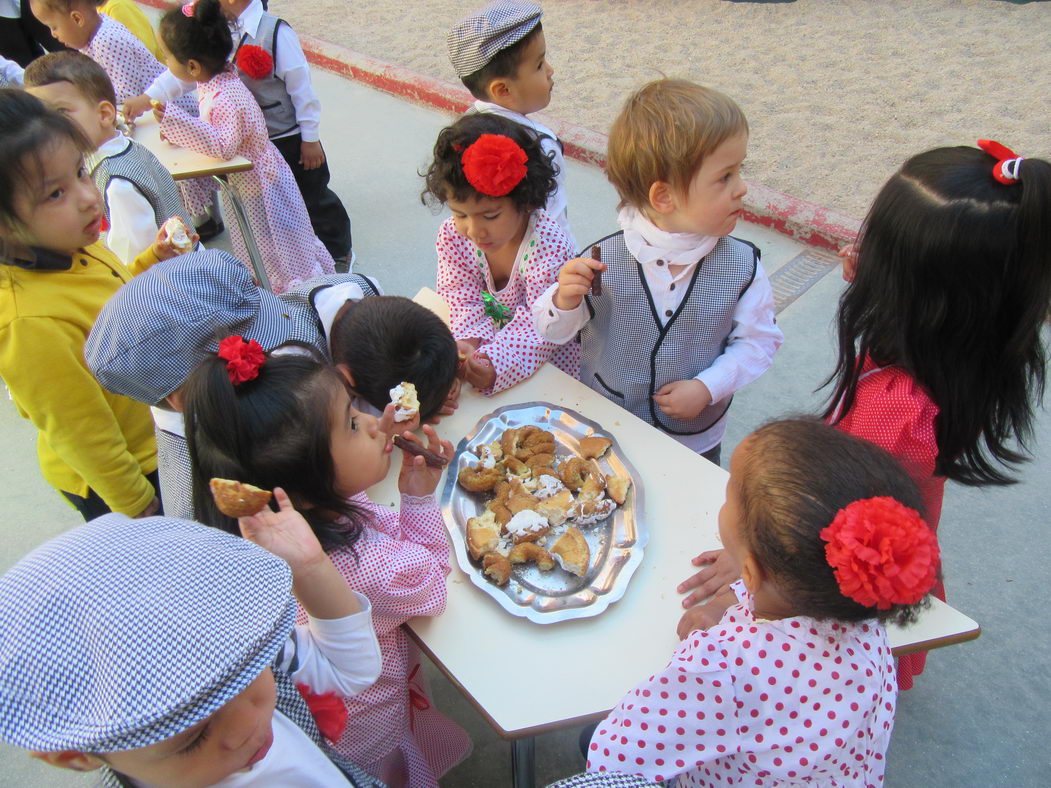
x,y
938,642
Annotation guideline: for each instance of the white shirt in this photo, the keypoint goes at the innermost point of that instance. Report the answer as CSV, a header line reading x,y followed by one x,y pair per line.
x,y
558,202
754,336
11,71
290,66
133,224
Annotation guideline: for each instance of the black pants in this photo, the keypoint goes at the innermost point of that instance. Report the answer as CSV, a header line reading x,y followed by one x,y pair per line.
x,y
328,217
93,506
713,454
21,39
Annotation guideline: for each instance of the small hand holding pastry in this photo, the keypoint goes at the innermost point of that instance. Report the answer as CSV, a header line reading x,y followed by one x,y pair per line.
x,y
164,245
575,280
719,570
683,399
135,106
158,110
237,499
417,476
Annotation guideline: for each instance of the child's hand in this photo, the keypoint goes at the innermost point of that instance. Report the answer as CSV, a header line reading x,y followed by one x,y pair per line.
x,y
683,399
311,155
574,281
719,570
284,533
465,347
417,477
707,615
158,110
389,426
151,509
849,255
135,106
479,370
452,402
163,247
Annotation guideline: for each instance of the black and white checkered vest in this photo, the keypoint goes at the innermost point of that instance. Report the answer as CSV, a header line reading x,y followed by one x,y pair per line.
x,y
627,355
270,91
142,169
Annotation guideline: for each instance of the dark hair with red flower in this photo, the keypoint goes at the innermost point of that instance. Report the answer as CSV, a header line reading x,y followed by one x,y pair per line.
x,y
836,522
483,154
243,358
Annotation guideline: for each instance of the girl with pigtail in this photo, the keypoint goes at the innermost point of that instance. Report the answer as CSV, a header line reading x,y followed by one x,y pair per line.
x,y
499,251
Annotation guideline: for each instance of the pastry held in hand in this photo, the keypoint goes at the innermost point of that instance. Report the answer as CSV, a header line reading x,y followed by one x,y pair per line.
x,y
178,235
405,401
236,499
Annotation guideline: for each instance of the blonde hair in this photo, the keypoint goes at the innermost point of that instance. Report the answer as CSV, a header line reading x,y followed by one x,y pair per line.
x,y
663,133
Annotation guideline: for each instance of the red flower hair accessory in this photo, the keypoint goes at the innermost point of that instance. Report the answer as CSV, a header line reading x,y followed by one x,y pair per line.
x,y
882,553
1007,161
243,359
494,164
328,710
255,61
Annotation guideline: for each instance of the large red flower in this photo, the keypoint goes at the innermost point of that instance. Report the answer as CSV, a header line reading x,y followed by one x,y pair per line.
x,y
494,164
243,359
255,61
882,553
328,710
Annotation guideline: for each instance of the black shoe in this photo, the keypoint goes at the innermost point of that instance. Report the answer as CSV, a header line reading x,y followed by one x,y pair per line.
x,y
209,229
345,263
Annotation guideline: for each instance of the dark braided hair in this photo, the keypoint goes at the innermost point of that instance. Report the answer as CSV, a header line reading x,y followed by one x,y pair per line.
x,y
204,37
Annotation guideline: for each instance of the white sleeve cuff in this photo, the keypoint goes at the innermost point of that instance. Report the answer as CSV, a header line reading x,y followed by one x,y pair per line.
x,y
554,324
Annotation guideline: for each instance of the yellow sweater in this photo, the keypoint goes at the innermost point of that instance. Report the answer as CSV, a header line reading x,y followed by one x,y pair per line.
x,y
87,437
130,15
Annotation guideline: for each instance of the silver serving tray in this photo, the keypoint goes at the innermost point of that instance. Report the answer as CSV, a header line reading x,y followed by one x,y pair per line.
x,y
616,543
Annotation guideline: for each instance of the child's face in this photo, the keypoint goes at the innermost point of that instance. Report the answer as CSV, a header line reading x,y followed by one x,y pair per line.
x,y
530,88
360,451
95,118
63,212
492,223
713,201
731,518
74,29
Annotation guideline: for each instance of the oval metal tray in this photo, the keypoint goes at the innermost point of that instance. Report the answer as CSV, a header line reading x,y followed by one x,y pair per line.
x,y
616,544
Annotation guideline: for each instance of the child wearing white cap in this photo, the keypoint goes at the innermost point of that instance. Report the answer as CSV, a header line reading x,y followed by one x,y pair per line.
x,y
191,687
500,54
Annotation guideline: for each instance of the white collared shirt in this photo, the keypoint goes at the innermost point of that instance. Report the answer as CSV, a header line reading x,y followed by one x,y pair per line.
x,y
133,224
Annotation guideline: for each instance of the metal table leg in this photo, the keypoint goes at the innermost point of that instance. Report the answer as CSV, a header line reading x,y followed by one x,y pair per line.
x,y
523,762
256,259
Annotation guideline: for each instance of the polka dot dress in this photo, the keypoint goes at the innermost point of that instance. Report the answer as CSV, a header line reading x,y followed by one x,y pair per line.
x,y
401,563
515,349
752,702
894,412
232,124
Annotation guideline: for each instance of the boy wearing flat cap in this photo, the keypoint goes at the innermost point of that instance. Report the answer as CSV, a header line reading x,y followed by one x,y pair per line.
x,y
500,55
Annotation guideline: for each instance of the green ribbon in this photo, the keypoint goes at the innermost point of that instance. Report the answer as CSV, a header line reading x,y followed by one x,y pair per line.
x,y
500,314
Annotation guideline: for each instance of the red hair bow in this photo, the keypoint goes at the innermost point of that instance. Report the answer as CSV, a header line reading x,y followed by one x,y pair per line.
x,y
1007,161
494,164
881,552
255,61
243,359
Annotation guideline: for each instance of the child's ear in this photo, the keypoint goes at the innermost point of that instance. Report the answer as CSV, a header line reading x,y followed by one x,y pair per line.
x,y
345,373
107,115
662,197
194,67
752,574
499,89
69,759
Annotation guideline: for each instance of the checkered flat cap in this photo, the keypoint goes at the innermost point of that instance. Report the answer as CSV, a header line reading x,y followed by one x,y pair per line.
x,y
153,332
478,37
123,633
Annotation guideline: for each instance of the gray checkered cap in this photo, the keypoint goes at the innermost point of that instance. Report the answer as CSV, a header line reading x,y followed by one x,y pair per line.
x,y
123,633
479,36
156,328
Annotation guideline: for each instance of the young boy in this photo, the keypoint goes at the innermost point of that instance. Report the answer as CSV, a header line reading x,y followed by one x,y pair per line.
x,y
138,193
500,54
164,653
685,316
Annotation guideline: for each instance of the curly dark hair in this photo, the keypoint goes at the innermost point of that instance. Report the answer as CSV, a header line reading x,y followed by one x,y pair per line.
x,y
796,475
444,179
204,37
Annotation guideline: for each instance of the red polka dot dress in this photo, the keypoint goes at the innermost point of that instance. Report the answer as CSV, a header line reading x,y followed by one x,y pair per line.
x,y
231,124
894,412
515,348
401,563
752,702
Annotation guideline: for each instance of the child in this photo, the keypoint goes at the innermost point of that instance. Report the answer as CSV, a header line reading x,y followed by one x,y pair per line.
x,y
791,679
685,316
499,250
231,123
164,653
10,73
97,449
130,15
138,193
258,418
941,361
152,333
500,54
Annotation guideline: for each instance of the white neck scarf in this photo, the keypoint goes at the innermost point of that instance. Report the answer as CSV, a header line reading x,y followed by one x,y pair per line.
x,y
647,242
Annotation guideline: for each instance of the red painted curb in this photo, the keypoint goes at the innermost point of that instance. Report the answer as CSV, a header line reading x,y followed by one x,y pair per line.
x,y
803,221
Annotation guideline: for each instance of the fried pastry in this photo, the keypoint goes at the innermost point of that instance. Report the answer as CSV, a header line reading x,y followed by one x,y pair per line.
x,y
572,472
483,534
594,447
477,478
498,567
547,484
406,403
556,507
571,552
527,526
529,551
617,488
593,487
237,499
586,513
178,234
524,442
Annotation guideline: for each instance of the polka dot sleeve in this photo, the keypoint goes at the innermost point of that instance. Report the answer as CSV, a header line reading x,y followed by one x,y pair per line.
x,y
461,280
219,137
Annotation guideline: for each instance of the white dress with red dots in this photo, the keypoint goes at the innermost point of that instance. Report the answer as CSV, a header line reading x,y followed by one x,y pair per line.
x,y
758,703
231,124
399,564
515,348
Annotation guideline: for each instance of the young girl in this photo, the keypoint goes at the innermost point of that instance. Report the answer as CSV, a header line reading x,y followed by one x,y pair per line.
x,y
791,679
196,40
287,417
500,250
96,448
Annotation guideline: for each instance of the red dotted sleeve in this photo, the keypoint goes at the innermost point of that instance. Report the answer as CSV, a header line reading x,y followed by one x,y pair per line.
x,y
460,283
220,136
